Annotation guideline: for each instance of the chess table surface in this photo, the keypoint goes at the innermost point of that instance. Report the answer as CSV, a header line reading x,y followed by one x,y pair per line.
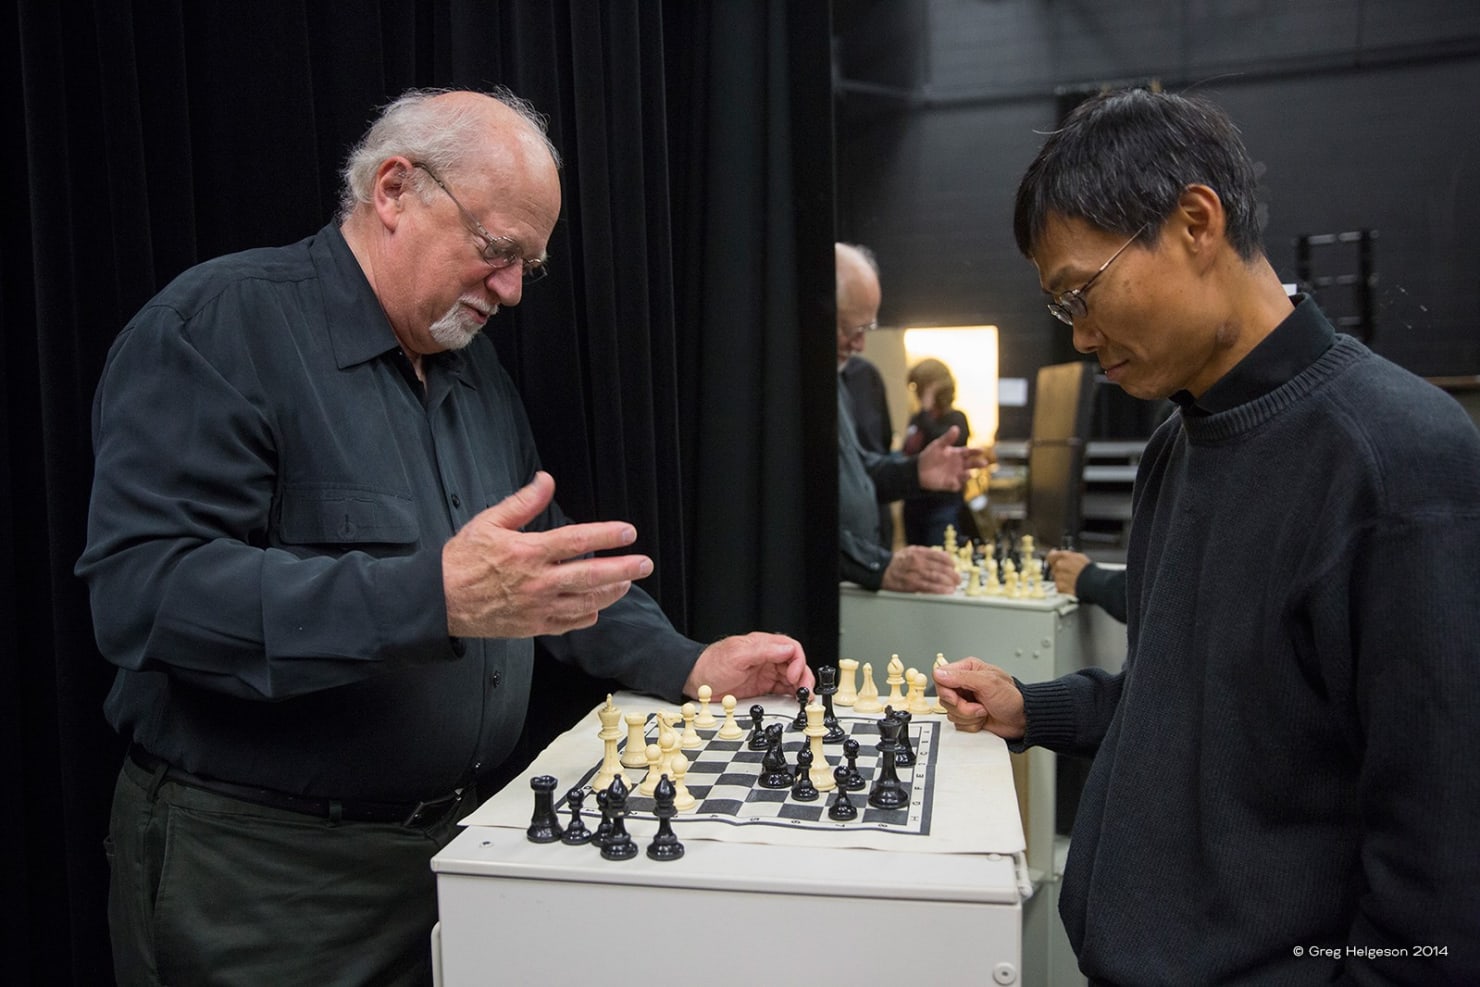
x,y
949,809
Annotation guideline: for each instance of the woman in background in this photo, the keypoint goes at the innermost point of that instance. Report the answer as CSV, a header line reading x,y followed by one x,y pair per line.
x,y
927,514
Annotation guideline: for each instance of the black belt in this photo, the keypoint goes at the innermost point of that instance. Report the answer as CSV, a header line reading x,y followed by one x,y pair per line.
x,y
346,810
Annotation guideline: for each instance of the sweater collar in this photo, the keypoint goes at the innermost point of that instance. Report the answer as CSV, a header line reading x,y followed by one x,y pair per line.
x,y
1296,343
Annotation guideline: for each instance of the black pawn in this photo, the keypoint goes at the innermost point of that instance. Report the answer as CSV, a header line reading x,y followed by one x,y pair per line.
x,y
905,756
619,844
757,740
576,831
827,687
544,825
887,792
603,828
842,808
855,782
665,845
800,722
802,788
773,766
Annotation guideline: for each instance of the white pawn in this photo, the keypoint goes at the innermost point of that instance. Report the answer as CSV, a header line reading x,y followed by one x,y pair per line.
x,y
683,799
919,705
690,739
632,755
730,730
705,720
937,706
655,771
868,694
847,682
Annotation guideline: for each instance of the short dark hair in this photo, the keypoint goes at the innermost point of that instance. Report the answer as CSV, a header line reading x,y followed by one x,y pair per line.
x,y
1122,160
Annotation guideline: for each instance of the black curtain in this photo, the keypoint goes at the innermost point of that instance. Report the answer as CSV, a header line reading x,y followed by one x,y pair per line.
x,y
665,364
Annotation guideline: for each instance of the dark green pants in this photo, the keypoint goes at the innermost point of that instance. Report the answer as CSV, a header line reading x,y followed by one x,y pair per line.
x,y
211,890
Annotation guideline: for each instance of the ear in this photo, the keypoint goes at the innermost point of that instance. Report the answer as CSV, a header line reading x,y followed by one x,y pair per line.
x,y
1199,220
392,183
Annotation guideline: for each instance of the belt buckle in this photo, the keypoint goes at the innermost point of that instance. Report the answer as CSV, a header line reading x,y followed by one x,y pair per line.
x,y
422,814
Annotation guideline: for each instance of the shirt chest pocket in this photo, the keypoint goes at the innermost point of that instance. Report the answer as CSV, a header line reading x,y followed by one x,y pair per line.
x,y
345,516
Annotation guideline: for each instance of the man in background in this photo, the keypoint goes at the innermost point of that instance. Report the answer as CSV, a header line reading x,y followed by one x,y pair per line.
x,y
866,479
319,547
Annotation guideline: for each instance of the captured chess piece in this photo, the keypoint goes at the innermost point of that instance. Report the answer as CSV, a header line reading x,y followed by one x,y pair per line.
x,y
576,831
619,844
802,788
544,825
842,808
665,845
757,741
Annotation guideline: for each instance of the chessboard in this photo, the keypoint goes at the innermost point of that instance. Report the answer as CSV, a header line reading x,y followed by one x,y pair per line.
x,y
722,777
944,812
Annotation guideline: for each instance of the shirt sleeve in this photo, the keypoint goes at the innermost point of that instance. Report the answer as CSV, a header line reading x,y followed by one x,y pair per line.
x,y
1070,714
1105,588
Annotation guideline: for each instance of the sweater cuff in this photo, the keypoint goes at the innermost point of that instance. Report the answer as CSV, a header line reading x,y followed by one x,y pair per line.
x,y
1049,708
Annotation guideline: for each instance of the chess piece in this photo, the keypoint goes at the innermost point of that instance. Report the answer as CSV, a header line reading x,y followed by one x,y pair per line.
x,y
665,845
905,756
821,772
730,729
799,722
683,799
868,693
544,825
918,705
827,687
610,733
757,741
937,706
690,740
604,828
802,788
842,808
990,584
888,792
773,766
668,746
847,682
619,844
632,754
855,781
705,720
894,673
654,771
576,831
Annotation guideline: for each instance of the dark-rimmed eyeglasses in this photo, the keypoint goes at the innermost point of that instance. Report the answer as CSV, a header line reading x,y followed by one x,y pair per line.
x,y
1069,305
498,252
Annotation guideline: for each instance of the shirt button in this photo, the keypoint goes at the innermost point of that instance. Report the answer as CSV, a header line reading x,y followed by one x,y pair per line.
x,y
459,646
456,501
495,679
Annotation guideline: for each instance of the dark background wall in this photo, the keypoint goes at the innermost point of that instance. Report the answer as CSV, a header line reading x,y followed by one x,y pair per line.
x,y
1358,112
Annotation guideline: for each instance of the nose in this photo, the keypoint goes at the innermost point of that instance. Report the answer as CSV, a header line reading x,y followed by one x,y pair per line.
x,y
506,284
1087,339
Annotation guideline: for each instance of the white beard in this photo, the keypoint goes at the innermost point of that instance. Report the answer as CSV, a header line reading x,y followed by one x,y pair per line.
x,y
459,326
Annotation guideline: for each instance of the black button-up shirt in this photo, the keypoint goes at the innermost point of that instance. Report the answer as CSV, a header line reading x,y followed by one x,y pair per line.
x,y
273,490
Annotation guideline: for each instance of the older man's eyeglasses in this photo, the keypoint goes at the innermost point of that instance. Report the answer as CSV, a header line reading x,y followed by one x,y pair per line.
x,y
856,333
1069,305
498,252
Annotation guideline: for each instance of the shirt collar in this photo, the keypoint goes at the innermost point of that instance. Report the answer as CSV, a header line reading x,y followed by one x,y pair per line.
x,y
358,329
1295,344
